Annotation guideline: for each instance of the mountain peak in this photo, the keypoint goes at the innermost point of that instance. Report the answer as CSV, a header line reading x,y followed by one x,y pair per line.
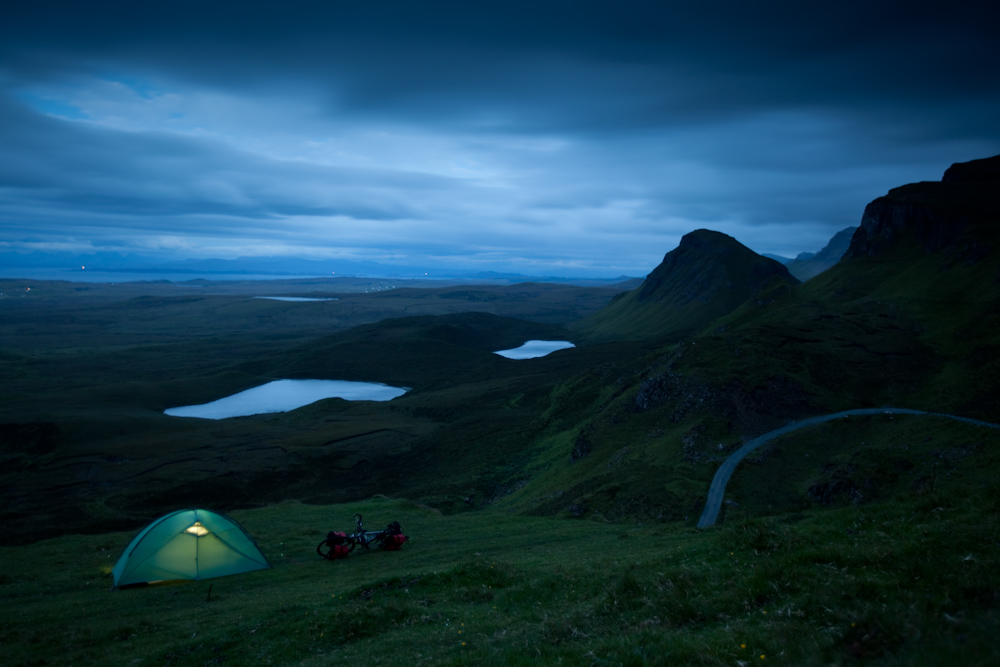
x,y
708,275
708,240
701,260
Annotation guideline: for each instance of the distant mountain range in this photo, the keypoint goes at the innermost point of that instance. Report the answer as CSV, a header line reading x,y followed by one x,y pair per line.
x,y
107,262
780,258
808,264
804,266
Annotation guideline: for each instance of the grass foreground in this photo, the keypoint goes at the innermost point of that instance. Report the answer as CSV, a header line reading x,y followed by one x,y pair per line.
x,y
911,581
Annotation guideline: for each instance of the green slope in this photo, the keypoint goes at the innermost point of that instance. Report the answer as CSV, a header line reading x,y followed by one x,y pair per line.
x,y
98,454
910,318
879,550
627,429
913,309
901,583
706,276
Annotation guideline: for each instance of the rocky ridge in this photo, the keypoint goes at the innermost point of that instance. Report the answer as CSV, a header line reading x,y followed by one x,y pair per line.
x,y
961,211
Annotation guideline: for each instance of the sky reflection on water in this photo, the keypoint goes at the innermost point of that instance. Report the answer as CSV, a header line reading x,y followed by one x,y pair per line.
x,y
535,348
285,395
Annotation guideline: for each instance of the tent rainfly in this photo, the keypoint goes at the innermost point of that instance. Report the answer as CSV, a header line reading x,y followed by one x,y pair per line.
x,y
189,544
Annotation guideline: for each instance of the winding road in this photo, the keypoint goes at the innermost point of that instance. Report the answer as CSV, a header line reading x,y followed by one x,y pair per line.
x,y
718,488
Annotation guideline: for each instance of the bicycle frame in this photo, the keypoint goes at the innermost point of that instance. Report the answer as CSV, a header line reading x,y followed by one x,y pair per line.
x,y
364,538
360,537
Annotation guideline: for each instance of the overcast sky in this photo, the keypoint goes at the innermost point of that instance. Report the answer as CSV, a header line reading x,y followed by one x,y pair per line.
x,y
545,137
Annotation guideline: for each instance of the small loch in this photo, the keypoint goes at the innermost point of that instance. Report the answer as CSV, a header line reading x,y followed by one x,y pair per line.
x,y
535,348
294,298
285,395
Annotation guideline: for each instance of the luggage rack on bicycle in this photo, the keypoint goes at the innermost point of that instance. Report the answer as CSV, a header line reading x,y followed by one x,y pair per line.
x,y
339,545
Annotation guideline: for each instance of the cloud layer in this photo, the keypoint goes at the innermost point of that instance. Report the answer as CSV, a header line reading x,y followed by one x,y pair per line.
x,y
579,137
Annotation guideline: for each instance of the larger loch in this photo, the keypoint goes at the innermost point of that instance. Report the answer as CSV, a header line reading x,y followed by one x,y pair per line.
x,y
284,395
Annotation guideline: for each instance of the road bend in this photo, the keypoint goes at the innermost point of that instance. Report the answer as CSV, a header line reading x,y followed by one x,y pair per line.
x,y
718,488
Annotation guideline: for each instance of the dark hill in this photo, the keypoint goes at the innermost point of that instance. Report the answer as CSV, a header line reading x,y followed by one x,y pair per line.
x,y
910,318
707,276
809,265
960,213
610,431
910,315
419,352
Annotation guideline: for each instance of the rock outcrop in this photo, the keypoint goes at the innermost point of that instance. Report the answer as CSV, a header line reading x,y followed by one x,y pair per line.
x,y
961,211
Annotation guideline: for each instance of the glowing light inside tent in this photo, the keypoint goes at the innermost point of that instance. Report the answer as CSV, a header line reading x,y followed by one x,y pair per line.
x,y
197,529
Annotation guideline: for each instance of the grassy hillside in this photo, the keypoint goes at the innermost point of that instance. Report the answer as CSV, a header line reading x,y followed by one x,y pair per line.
x,y
706,276
908,326
98,452
70,317
627,429
905,582
557,496
915,305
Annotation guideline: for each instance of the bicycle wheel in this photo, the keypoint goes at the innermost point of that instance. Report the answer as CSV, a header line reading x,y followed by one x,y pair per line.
x,y
321,552
325,549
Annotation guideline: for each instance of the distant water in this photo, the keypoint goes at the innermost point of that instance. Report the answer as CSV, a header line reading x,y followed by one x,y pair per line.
x,y
285,395
80,276
293,298
535,348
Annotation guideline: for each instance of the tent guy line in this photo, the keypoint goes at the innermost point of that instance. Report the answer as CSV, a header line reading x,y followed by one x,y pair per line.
x,y
717,489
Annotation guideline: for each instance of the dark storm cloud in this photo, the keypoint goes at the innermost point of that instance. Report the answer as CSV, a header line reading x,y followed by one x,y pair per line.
x,y
510,130
709,58
152,175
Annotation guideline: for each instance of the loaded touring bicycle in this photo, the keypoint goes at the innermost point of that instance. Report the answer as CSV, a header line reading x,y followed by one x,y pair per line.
x,y
338,545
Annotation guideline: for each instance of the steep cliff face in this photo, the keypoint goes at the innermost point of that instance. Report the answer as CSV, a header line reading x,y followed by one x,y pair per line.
x,y
962,211
931,253
708,275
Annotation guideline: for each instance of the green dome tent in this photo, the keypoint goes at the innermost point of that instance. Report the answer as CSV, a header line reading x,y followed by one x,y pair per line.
x,y
189,544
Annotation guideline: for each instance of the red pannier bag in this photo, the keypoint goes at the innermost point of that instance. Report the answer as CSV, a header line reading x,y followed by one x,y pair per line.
x,y
393,542
336,541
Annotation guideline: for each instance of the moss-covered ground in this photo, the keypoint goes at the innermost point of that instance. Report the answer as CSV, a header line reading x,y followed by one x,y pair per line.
x,y
913,581
863,460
